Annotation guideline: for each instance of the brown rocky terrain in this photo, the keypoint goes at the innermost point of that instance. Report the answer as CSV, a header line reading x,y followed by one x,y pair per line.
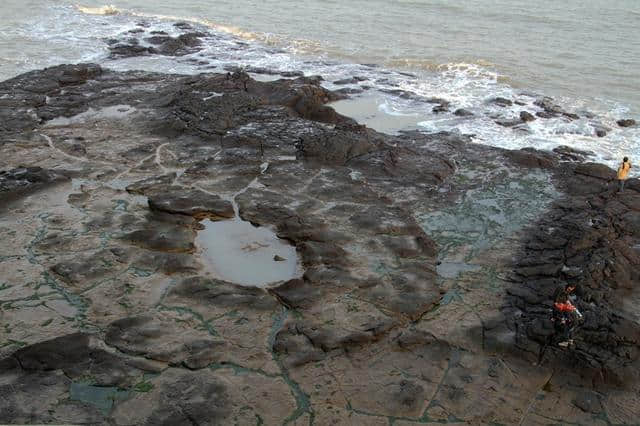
x,y
425,263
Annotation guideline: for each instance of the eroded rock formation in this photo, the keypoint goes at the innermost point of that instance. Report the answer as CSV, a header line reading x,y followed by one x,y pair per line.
x,y
427,262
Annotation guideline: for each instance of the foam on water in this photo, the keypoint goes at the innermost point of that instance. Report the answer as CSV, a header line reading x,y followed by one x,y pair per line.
x,y
104,10
394,99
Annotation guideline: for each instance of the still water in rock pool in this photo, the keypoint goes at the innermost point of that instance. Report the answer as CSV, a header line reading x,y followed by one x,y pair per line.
x,y
236,251
241,253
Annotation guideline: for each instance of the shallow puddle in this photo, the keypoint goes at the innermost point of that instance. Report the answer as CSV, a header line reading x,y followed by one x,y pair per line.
x,y
453,269
239,252
236,251
100,397
115,112
370,110
486,215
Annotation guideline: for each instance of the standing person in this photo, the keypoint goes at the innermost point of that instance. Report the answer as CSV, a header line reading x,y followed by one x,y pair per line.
x,y
565,314
623,172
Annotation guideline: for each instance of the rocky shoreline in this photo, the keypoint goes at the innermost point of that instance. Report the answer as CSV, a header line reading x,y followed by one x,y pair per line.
x,y
427,262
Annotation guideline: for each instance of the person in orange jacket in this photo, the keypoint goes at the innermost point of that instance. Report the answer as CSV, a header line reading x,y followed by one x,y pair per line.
x,y
623,172
565,314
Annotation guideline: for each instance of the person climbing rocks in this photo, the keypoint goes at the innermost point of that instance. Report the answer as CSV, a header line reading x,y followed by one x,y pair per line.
x,y
565,314
623,172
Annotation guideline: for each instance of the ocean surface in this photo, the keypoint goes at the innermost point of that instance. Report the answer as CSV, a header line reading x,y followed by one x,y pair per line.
x,y
585,54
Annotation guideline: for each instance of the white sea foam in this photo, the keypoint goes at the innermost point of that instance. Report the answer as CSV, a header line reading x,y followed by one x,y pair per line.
x,y
103,10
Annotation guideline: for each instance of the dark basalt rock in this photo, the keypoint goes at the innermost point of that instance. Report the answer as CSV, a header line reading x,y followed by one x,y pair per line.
x,y
151,185
626,122
27,177
256,70
161,341
442,102
526,116
337,145
25,94
595,170
581,241
589,402
532,158
405,94
158,39
180,46
163,44
222,294
78,74
82,271
503,102
183,25
570,115
192,202
292,74
371,216
545,114
302,97
571,154
24,180
461,112
160,231
549,107
440,108
510,122
601,131
349,91
130,50
77,356
192,396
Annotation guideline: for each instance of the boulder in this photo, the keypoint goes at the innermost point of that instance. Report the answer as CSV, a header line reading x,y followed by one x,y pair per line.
x,y
626,122
461,112
526,116
502,102
509,122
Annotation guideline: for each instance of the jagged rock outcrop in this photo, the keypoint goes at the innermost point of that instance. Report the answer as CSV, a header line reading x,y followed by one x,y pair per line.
x,y
586,239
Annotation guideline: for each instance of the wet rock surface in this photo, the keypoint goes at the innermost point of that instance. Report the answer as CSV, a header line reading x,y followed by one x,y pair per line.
x,y
587,240
190,202
23,180
429,262
159,44
626,122
526,116
461,112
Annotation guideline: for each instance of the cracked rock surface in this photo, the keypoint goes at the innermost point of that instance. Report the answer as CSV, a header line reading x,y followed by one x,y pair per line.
x,y
427,262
